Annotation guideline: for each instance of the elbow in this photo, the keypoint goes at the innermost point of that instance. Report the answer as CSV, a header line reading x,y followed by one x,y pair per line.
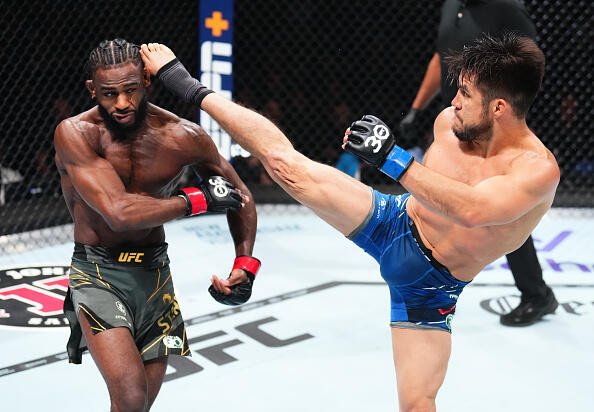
x,y
117,223
116,218
287,168
471,219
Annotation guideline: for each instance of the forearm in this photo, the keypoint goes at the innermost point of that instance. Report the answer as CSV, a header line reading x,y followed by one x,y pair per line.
x,y
430,85
134,212
242,225
450,198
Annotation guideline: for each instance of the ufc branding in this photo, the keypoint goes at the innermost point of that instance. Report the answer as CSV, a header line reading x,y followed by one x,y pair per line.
x,y
127,257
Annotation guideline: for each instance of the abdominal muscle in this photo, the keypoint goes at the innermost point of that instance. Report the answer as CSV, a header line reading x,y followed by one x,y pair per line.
x,y
466,251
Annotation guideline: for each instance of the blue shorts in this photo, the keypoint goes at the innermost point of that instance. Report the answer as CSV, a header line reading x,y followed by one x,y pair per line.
x,y
423,292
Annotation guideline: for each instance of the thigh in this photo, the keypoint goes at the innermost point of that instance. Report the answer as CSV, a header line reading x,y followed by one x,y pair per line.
x,y
421,360
116,356
337,198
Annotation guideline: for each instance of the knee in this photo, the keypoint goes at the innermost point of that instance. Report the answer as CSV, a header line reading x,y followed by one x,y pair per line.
x,y
287,167
130,399
417,404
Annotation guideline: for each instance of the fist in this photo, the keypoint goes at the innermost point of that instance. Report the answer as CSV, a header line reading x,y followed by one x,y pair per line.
x,y
370,139
220,194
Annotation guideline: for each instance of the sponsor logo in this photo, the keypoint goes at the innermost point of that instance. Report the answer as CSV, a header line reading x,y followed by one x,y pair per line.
x,y
127,257
380,133
33,296
173,342
120,307
216,66
448,321
446,311
216,234
500,305
219,186
166,321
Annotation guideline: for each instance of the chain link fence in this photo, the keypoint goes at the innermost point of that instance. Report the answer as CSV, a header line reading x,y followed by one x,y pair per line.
x,y
310,66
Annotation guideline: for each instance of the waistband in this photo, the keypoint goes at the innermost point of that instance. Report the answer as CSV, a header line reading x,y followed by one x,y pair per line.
x,y
424,249
123,255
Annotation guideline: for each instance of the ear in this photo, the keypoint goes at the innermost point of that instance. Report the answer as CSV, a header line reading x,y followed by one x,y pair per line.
x,y
500,107
146,77
91,88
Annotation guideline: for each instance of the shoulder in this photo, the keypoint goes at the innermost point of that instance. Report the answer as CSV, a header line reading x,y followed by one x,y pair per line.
x,y
179,127
539,165
83,125
442,127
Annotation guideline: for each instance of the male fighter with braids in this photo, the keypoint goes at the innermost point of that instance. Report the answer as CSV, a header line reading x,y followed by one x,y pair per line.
x,y
119,164
486,183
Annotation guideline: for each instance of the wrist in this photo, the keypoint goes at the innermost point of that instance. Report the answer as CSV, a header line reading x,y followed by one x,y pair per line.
x,y
248,263
397,163
195,200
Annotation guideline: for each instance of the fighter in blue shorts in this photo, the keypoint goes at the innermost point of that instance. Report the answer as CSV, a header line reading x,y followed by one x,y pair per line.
x,y
423,292
486,182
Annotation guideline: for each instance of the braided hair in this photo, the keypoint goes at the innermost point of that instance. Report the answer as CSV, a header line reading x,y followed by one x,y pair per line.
x,y
112,53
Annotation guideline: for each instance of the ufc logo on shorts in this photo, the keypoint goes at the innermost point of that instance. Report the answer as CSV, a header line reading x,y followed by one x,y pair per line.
x,y
380,132
219,186
126,257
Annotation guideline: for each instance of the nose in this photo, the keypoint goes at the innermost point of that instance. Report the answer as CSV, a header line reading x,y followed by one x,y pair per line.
x,y
122,102
456,101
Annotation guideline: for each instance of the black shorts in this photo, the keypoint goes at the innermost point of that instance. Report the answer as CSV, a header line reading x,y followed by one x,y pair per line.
x,y
130,288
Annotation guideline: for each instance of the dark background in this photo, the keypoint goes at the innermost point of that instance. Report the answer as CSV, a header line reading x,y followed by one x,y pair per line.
x,y
311,66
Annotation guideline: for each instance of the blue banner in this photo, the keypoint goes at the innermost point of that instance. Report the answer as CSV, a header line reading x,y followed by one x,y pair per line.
x,y
216,65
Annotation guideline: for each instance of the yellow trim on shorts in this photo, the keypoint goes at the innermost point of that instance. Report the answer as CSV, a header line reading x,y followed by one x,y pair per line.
x,y
159,287
92,317
159,339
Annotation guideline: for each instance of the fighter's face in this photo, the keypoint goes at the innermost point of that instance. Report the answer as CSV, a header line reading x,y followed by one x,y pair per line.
x,y
473,119
121,92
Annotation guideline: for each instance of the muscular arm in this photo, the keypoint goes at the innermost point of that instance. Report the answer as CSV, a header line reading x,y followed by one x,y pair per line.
x,y
242,223
494,201
98,184
430,85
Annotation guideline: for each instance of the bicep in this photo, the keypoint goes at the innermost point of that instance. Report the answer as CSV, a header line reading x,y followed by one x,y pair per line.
x,y
93,178
503,199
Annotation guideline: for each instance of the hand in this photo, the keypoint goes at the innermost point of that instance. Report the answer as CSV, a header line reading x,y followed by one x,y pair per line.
x,y
369,139
155,56
372,141
214,194
237,288
408,127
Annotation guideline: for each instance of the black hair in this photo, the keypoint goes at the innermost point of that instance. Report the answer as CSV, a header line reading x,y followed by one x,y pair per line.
x,y
111,53
510,67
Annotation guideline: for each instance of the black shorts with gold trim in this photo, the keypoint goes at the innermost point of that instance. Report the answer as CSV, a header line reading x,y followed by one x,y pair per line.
x,y
130,288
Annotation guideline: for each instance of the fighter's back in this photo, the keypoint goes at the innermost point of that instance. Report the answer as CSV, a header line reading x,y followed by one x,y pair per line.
x,y
148,162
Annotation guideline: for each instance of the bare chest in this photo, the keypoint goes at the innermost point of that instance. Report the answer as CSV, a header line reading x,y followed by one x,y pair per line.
x,y
464,167
145,165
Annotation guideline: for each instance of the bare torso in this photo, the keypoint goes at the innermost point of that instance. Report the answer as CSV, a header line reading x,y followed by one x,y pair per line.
x,y
467,250
149,163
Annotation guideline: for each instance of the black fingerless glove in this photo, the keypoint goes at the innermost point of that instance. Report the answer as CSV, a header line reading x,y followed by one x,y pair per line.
x,y
241,292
